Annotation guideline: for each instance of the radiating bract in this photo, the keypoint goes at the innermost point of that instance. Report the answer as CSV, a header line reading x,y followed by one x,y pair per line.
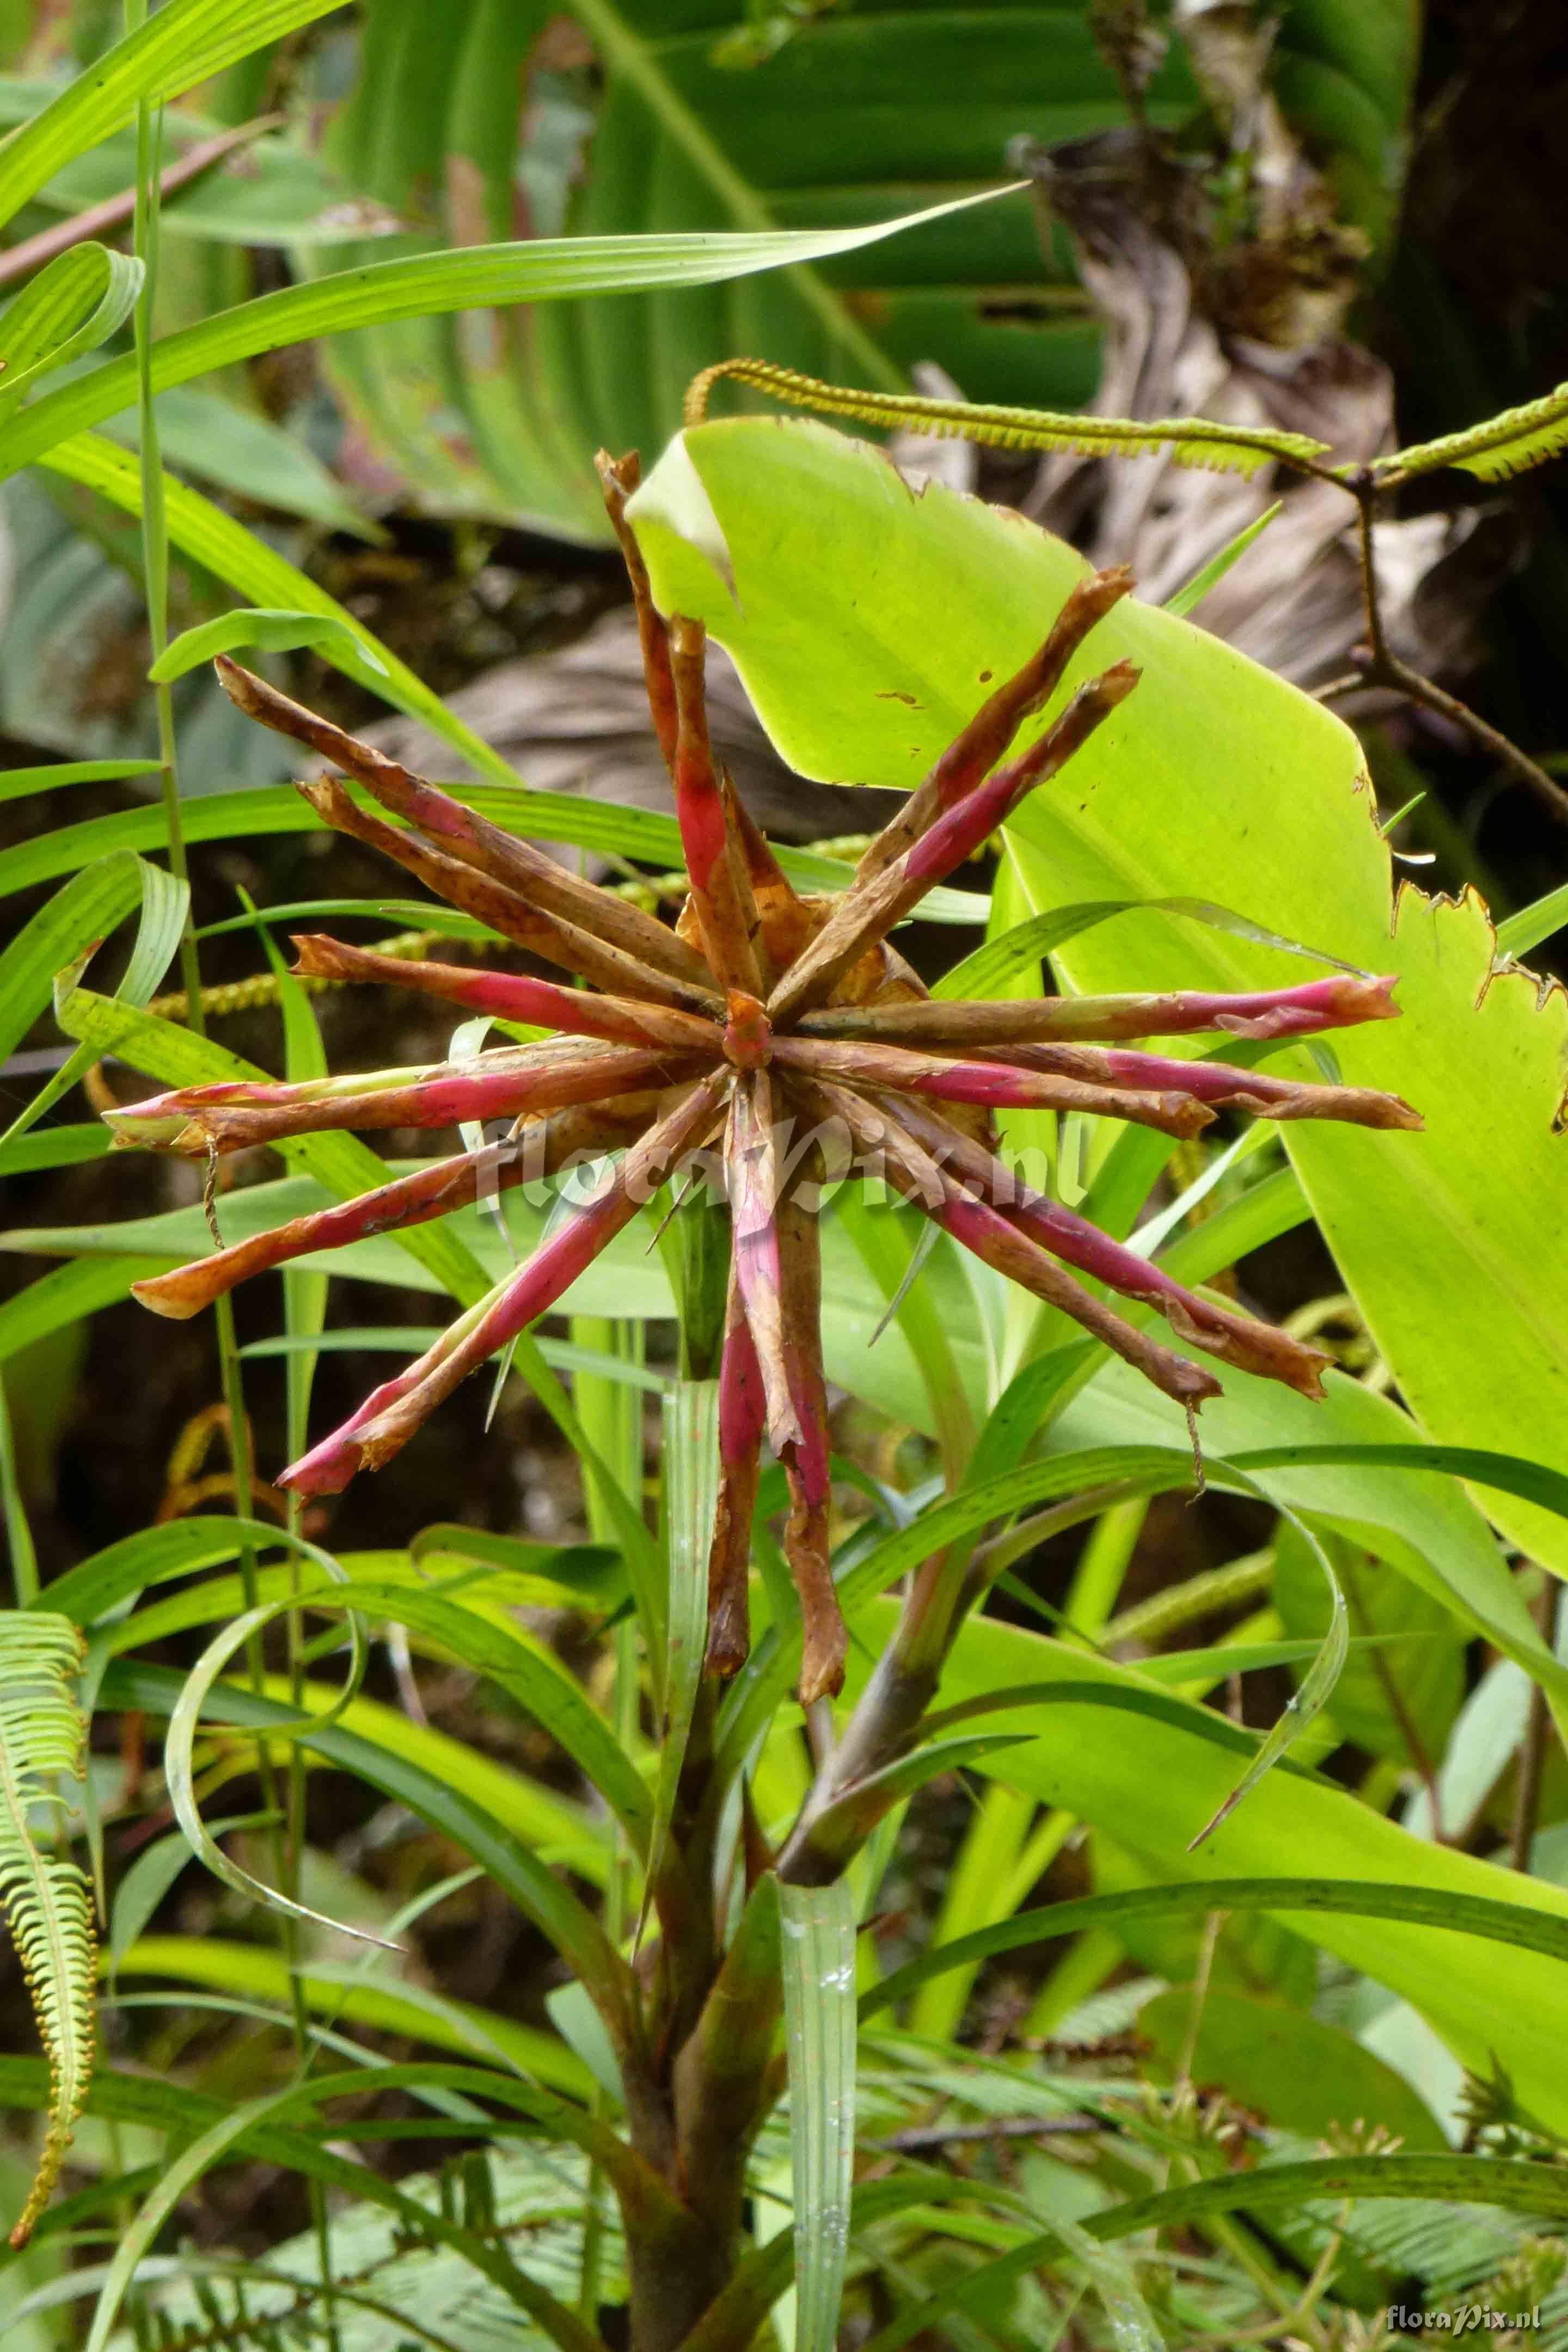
x,y
761,1025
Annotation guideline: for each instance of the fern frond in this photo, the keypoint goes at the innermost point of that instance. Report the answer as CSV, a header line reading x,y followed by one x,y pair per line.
x,y
1189,440
47,1904
1510,443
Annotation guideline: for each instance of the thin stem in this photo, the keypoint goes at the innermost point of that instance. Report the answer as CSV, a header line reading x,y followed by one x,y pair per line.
x,y
1537,1729
21,260
1381,665
156,570
1388,1682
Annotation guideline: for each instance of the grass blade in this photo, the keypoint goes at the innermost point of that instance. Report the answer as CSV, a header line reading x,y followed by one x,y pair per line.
x,y
818,1925
1504,1923
472,278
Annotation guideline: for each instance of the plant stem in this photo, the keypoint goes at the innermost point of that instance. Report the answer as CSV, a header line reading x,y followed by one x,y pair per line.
x,y
1533,1751
155,569
20,261
1381,665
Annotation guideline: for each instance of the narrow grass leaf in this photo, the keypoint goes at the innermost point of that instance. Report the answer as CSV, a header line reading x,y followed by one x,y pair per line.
x,y
1517,934
691,1498
1492,1921
60,942
474,1822
1310,1695
425,285
1019,950
18,1532
186,42
817,1932
1209,576
15,784
179,1759
528,1675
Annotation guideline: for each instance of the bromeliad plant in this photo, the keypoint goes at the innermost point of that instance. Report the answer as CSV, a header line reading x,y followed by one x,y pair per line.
x,y
787,1030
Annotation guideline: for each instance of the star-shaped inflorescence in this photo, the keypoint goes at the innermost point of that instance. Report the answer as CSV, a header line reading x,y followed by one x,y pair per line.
x,y
762,1028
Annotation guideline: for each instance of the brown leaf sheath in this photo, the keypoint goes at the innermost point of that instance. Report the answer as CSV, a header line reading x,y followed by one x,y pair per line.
x,y
781,926
1338,1002
508,996
915,1173
441,1098
550,936
721,893
387,1420
619,477
1257,1092
742,1415
806,1463
544,1146
1240,1339
974,752
869,910
989,1083
540,880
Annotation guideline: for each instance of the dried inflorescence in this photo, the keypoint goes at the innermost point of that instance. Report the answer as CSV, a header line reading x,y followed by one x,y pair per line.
x,y
763,1024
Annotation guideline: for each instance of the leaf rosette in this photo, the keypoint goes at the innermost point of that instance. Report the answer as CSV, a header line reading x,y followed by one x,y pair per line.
x,y
764,1036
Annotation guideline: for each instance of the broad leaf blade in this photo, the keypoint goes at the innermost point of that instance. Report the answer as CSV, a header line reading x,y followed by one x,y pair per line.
x,y
1212,768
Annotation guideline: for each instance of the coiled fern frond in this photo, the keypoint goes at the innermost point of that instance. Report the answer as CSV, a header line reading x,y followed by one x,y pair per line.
x,y
48,1903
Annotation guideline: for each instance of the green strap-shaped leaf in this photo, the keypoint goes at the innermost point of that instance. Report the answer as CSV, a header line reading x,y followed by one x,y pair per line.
x,y
78,915
478,1829
1457,2179
38,969
530,1675
186,42
1465,1915
48,1903
983,973
473,277
245,563
818,1949
676,1628
273,631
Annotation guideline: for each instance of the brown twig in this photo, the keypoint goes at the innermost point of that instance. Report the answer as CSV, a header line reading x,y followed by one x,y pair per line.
x,y
1378,665
97,220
